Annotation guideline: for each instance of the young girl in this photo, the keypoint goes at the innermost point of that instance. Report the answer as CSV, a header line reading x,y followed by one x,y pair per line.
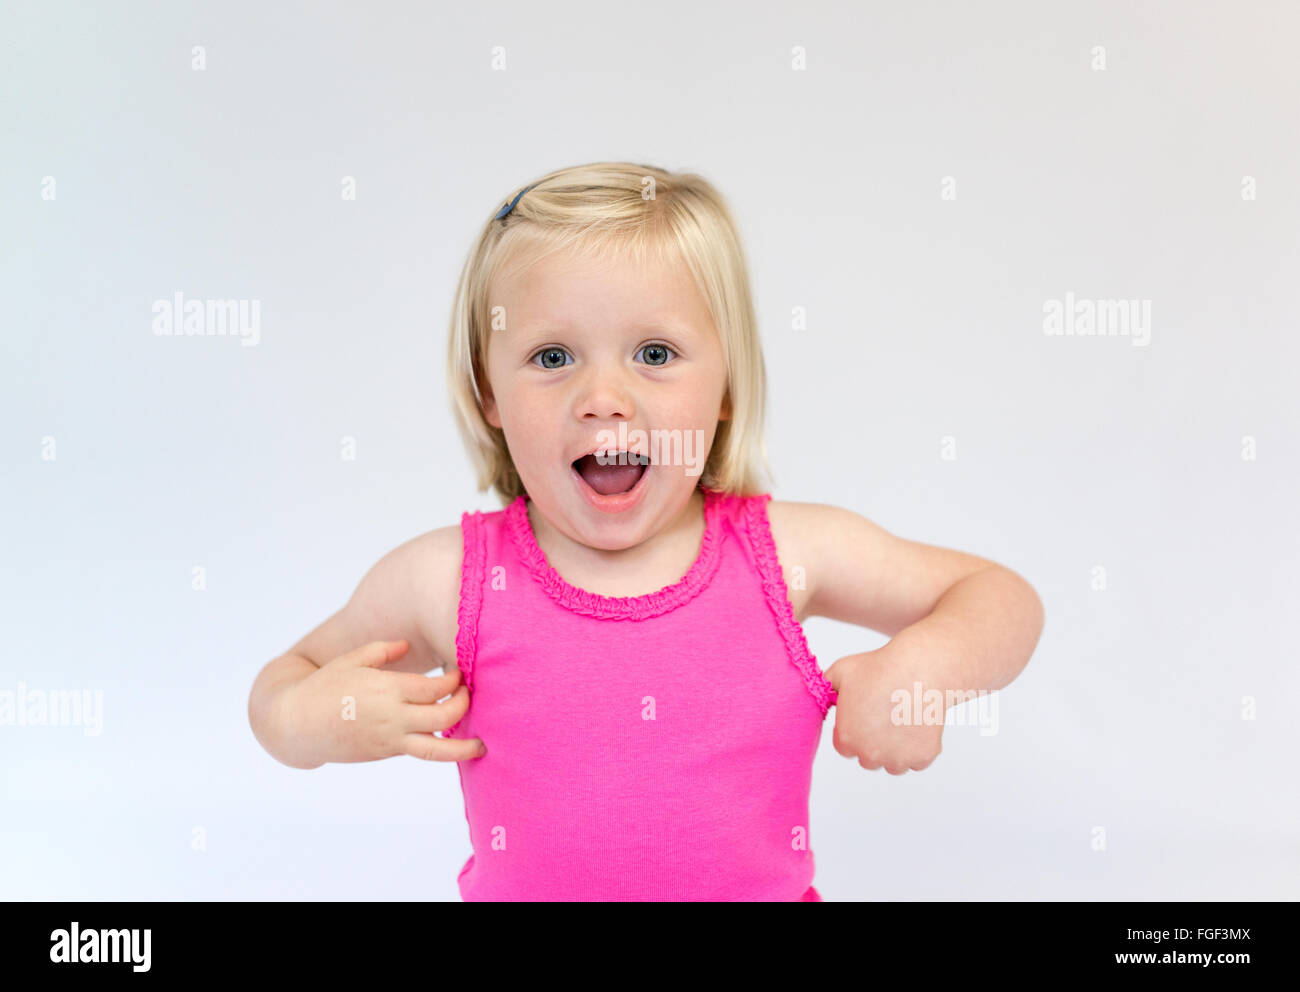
x,y
639,709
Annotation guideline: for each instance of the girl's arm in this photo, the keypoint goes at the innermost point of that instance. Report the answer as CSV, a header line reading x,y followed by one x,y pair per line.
x,y
976,622
960,625
410,594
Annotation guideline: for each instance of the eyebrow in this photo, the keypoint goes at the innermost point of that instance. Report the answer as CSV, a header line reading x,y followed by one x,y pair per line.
x,y
541,328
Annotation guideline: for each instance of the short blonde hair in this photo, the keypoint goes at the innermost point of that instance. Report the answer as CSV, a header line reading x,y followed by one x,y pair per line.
x,y
601,208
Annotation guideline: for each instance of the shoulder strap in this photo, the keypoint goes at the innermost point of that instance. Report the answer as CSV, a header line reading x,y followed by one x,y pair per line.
x,y
471,599
759,529
471,593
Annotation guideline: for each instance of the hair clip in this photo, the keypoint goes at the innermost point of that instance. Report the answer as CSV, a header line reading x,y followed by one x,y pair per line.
x,y
511,205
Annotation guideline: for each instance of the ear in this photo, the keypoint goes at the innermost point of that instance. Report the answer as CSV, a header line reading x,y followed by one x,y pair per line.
x,y
490,412
725,412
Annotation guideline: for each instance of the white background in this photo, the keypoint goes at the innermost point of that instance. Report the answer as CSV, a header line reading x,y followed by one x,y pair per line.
x,y
925,320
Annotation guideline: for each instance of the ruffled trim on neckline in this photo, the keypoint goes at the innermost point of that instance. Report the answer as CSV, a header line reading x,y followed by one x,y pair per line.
x,y
618,607
778,598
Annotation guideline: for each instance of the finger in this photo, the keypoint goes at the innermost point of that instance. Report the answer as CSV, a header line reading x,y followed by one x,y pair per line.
x,y
846,748
833,677
429,748
376,654
418,688
428,717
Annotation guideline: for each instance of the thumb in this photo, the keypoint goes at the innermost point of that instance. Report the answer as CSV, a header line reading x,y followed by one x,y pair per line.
x,y
833,675
377,654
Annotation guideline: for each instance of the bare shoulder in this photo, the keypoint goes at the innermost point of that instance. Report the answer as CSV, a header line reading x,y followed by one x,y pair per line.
x,y
441,567
410,594
807,537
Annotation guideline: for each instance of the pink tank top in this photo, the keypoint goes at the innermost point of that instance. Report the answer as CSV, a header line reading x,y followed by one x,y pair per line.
x,y
645,748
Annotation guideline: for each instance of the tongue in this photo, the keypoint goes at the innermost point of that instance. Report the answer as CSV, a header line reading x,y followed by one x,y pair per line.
x,y
608,479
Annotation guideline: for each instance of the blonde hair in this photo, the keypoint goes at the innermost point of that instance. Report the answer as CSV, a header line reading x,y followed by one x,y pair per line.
x,y
600,208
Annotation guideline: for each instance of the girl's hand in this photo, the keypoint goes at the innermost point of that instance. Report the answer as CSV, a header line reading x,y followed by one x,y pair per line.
x,y
351,710
867,723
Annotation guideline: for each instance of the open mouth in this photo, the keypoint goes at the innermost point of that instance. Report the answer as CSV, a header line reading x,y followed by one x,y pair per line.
x,y
609,480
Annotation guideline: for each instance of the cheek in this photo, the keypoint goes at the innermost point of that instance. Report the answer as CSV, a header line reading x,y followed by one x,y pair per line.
x,y
692,406
526,427
530,413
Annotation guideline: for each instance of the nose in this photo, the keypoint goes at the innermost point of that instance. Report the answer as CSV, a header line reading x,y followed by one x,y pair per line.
x,y
604,394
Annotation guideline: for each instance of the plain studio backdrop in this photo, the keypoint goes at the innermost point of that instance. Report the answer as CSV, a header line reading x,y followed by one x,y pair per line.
x,y
919,187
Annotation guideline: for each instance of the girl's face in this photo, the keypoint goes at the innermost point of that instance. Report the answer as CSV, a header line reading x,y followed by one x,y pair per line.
x,y
589,345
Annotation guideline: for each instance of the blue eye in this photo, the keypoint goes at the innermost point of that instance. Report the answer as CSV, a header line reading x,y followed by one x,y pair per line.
x,y
658,349
546,353
657,356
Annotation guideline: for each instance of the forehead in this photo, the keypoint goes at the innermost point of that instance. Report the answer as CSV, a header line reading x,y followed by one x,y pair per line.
x,y
603,289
